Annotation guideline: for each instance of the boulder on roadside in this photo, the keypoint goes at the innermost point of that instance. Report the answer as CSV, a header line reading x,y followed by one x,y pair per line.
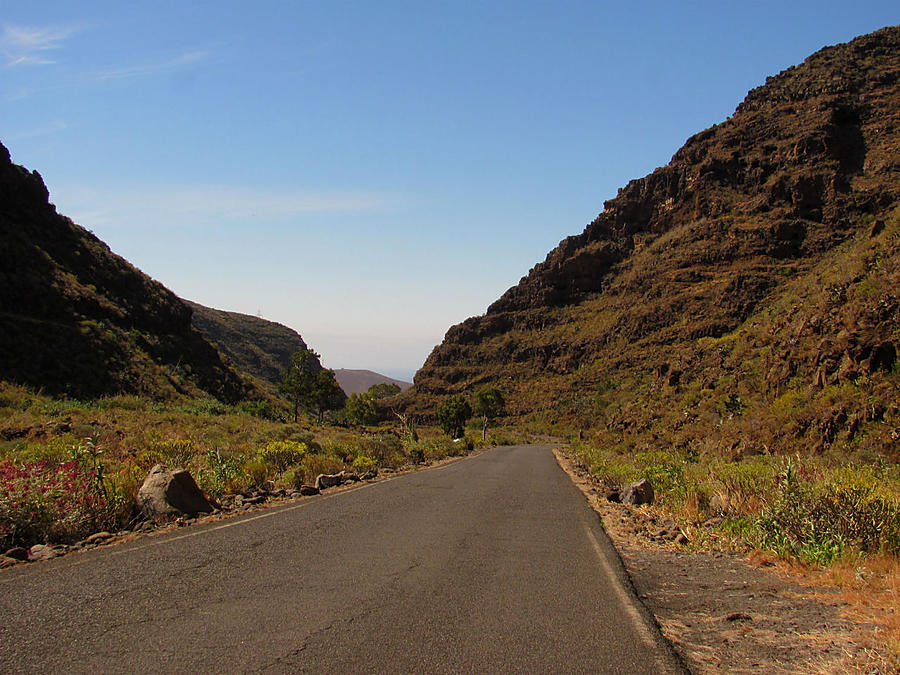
x,y
325,481
171,492
41,552
307,490
640,492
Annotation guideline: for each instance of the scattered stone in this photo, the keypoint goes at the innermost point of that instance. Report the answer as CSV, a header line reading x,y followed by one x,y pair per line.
x,y
171,492
325,481
41,552
638,493
98,538
255,499
738,616
614,496
307,490
13,433
351,477
17,553
6,561
371,474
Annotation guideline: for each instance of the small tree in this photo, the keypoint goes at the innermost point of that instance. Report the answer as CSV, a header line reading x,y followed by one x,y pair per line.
x,y
361,409
327,394
452,414
298,379
310,387
489,404
383,390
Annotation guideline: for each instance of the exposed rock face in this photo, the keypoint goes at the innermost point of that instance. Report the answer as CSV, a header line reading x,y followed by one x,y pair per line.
x,y
77,319
760,260
171,492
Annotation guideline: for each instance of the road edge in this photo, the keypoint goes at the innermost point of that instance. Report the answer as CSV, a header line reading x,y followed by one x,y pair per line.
x,y
620,571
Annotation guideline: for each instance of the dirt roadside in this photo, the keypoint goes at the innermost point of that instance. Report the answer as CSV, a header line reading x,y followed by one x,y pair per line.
x,y
726,614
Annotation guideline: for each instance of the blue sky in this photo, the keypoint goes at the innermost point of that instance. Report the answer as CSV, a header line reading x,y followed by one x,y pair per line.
x,y
370,173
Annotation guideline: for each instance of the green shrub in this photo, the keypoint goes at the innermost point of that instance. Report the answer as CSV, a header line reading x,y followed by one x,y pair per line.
x,y
255,473
385,449
362,464
294,477
279,455
313,465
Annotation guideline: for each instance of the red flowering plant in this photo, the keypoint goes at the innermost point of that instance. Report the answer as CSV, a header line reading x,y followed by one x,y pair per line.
x,y
44,501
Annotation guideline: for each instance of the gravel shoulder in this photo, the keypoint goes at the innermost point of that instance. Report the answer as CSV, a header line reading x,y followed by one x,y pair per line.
x,y
725,613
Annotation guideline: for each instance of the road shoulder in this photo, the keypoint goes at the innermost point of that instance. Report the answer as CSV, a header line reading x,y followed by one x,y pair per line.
x,y
719,612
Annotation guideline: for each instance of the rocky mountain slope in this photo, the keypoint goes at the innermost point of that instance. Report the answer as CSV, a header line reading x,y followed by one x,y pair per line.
x,y
77,319
746,294
359,381
255,346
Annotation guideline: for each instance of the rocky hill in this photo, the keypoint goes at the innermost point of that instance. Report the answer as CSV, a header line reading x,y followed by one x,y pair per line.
x,y
745,295
359,381
255,346
77,319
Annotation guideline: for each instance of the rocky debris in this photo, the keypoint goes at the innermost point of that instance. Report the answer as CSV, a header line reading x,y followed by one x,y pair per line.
x,y
738,616
371,474
640,492
171,492
44,552
17,553
6,561
308,490
614,496
98,538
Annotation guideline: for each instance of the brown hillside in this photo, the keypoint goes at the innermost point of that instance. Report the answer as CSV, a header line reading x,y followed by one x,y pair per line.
x,y
255,346
752,282
77,319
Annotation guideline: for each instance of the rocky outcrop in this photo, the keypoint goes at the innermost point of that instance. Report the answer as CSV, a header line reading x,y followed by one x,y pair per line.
x,y
167,492
758,261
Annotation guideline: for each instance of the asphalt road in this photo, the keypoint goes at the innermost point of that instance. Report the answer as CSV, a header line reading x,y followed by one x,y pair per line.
x,y
494,563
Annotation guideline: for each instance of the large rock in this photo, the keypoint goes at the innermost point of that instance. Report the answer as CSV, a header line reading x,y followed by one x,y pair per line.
x,y
171,492
640,492
325,481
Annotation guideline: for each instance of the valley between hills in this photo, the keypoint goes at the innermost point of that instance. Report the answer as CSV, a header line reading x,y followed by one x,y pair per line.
x,y
726,329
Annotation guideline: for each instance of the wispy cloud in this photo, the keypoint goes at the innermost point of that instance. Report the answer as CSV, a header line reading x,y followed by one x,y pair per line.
x,y
31,46
51,127
207,206
184,60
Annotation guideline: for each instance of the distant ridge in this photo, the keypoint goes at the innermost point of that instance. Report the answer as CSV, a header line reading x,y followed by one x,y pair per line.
x,y
359,381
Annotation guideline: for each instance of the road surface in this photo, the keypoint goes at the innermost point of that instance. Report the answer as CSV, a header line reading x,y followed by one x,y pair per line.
x,y
494,563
